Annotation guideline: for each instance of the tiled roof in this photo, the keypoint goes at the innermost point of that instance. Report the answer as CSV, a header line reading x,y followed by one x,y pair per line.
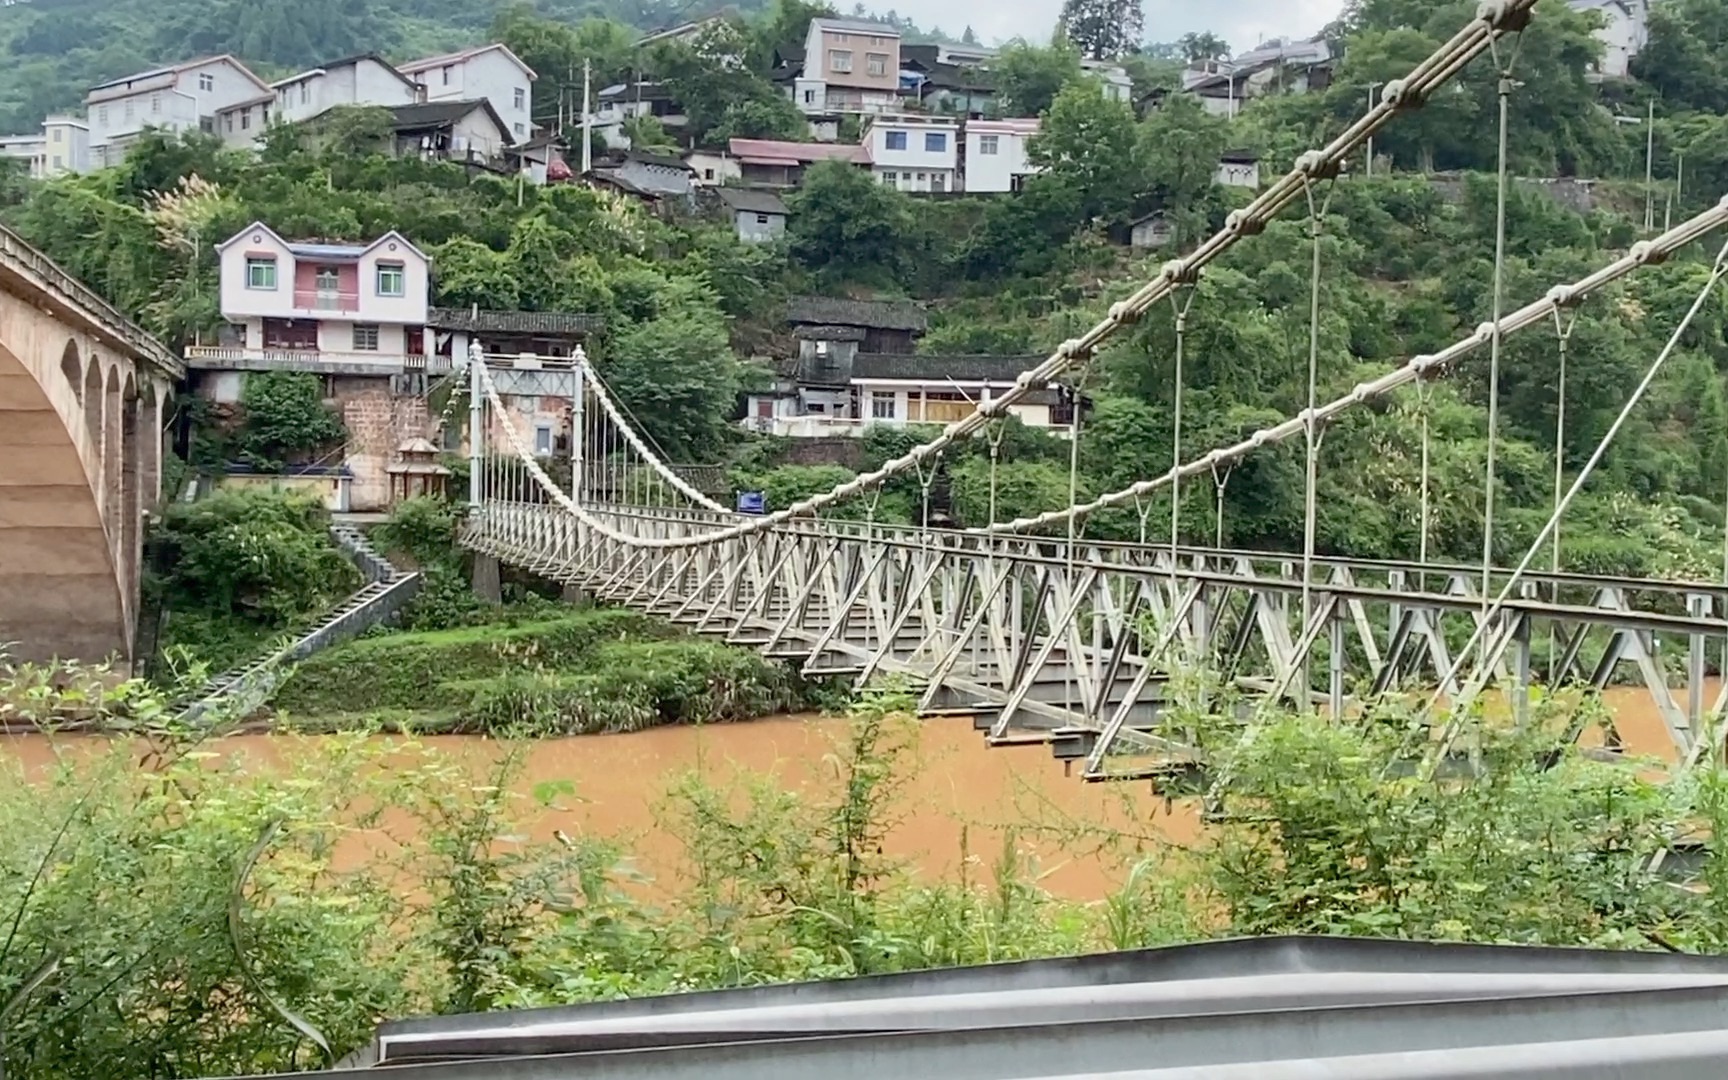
x,y
874,314
515,322
964,368
751,201
830,333
428,62
438,113
796,152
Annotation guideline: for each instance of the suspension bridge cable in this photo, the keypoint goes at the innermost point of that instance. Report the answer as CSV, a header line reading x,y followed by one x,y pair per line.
x,y
1311,433
1504,90
1454,723
1643,253
1494,19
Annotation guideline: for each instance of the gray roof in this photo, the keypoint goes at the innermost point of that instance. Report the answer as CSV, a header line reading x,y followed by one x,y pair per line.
x,y
751,200
515,322
437,114
966,368
874,314
1249,1009
818,332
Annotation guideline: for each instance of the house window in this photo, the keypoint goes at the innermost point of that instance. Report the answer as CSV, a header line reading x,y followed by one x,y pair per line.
x,y
228,122
391,279
895,140
938,181
821,348
155,103
305,92
809,97
989,144
102,114
128,110
542,441
245,118
521,98
876,63
935,142
365,337
881,406
260,273
57,134
326,280
56,161
519,129
206,81
707,174
446,74
207,124
761,219
840,60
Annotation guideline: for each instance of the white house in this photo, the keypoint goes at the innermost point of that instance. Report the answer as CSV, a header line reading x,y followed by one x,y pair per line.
x,y
995,154
182,97
1112,77
241,123
914,152
366,79
712,167
757,215
351,306
1238,168
489,72
62,146
1625,32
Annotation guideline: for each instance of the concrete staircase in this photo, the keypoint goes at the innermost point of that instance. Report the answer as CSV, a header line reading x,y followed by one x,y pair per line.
x,y
242,690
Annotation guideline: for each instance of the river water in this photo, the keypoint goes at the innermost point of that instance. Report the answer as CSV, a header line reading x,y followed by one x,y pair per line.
x,y
960,796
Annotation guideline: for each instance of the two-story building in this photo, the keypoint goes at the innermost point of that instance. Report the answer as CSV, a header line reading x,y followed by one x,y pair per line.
x,y
994,158
914,152
62,146
178,98
358,306
624,101
489,72
367,79
850,66
1624,32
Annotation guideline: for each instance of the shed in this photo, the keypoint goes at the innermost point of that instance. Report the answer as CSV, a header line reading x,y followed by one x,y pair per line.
x,y
756,215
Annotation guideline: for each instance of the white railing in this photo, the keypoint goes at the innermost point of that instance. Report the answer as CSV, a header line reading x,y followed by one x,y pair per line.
x,y
240,358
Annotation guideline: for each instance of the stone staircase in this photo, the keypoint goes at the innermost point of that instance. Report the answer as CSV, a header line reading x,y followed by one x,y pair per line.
x,y
244,689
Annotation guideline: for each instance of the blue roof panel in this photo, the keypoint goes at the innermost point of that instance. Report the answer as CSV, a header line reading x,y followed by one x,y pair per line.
x,y
327,251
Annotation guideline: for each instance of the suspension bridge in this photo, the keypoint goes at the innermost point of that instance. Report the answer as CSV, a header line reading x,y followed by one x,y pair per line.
x,y
1044,635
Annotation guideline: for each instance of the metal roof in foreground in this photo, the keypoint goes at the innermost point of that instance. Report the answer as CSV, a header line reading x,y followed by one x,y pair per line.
x,y
1265,1009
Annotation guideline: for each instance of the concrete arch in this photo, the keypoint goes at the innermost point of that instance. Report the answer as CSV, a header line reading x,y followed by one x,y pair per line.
x,y
72,366
58,580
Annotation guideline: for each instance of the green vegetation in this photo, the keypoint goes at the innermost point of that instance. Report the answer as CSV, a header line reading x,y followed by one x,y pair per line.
x,y
124,961
567,674
231,571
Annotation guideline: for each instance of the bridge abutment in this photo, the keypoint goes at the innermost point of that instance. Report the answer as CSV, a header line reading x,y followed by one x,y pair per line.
x,y
488,585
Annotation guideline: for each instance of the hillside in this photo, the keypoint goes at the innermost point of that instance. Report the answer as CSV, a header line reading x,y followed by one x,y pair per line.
x,y
53,49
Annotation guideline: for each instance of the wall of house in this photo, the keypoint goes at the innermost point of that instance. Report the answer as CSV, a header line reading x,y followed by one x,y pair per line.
x,y
655,178
1238,174
820,43
996,172
711,169
364,83
915,154
66,147
232,85
411,306
477,132
758,228
240,126
237,301
162,107
1623,38
491,75
337,335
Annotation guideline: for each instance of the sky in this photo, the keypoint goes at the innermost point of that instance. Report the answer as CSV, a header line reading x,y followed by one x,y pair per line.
x,y
1243,23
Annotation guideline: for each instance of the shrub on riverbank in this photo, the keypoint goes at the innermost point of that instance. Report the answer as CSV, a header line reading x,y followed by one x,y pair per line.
x,y
574,673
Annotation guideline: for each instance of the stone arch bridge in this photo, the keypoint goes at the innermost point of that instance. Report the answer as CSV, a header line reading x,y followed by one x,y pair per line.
x,y
83,394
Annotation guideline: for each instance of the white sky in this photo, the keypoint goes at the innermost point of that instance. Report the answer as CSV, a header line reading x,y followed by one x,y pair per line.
x,y
1243,23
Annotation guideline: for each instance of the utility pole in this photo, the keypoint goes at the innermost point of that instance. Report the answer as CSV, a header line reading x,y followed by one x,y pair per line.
x,y
587,123
1649,167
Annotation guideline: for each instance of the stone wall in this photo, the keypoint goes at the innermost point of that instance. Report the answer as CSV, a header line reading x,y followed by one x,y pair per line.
x,y
378,419
828,450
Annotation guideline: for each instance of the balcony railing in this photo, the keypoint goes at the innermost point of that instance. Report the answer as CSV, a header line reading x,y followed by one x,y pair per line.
x,y
237,358
326,300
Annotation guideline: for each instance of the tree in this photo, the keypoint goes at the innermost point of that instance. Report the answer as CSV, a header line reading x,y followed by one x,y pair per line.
x,y
1088,143
676,373
285,419
1179,147
1104,29
1198,48
844,222
1029,77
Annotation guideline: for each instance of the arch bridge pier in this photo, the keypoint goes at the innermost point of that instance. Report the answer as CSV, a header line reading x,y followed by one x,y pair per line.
x,y
83,398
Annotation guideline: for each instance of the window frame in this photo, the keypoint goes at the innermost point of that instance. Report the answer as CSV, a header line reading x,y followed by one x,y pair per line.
x,y
876,64
989,145
879,399
206,82
400,270
835,59
255,263
888,138
361,333
935,142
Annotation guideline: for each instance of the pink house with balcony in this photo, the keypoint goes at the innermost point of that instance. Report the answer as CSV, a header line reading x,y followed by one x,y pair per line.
x,y
340,307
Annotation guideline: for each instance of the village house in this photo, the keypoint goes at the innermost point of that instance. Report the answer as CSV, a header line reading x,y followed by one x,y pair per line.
x,y
61,146
770,163
367,79
994,155
178,98
756,215
850,66
489,72
913,152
